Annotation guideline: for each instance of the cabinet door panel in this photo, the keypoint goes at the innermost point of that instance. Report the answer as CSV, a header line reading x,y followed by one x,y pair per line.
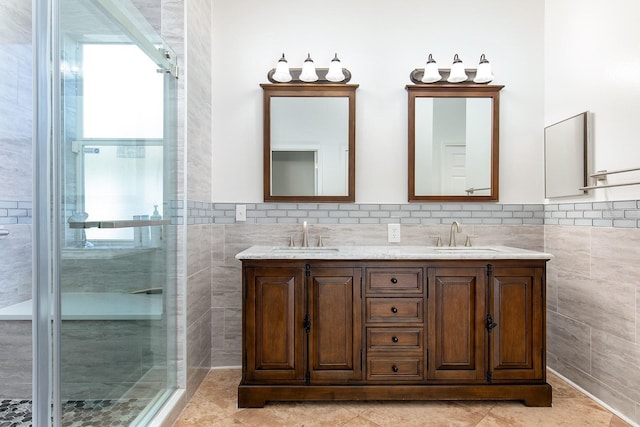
x,y
456,339
335,336
274,310
516,307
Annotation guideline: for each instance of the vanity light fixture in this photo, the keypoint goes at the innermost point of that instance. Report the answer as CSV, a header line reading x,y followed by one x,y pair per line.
x,y
309,73
335,73
457,74
431,73
282,73
484,74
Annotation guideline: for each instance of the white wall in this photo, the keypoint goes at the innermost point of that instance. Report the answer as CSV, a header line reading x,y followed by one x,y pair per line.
x,y
380,42
591,64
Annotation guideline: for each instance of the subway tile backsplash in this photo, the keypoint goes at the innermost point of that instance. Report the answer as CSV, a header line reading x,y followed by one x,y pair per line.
x,y
15,212
620,214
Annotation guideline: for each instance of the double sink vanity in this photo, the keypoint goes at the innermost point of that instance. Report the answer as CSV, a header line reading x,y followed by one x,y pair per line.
x,y
389,322
393,323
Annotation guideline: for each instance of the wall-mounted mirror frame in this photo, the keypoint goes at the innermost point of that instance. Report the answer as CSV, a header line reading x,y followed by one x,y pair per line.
x,y
346,91
474,192
567,157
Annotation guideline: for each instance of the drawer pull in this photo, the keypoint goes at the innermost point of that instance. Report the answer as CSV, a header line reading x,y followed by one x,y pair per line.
x,y
394,310
394,339
394,280
394,368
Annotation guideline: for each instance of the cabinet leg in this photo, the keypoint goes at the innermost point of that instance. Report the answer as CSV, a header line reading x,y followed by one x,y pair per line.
x,y
540,398
250,399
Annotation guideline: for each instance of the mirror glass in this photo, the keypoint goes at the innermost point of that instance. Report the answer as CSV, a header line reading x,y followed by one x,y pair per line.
x,y
566,157
453,143
309,142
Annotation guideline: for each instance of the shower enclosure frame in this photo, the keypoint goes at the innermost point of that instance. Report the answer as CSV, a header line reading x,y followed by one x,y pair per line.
x,y
48,209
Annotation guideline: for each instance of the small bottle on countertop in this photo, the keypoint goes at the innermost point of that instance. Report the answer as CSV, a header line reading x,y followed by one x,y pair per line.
x,y
156,230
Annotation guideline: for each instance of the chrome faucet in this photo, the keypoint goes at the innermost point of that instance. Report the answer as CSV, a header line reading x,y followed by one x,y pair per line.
x,y
452,234
305,235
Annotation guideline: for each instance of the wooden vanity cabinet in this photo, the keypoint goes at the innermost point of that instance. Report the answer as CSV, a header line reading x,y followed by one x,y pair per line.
x,y
273,315
395,314
456,315
301,324
393,330
517,341
335,324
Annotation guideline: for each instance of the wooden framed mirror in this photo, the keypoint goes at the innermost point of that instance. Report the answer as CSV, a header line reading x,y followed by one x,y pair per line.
x,y
453,142
309,142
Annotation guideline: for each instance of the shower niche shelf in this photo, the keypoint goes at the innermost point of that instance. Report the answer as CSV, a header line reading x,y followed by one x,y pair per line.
x,y
118,223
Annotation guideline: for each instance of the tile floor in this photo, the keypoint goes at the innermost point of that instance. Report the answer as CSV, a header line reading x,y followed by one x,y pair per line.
x,y
76,413
214,404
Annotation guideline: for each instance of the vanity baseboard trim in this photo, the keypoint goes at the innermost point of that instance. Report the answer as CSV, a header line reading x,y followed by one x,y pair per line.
x,y
256,396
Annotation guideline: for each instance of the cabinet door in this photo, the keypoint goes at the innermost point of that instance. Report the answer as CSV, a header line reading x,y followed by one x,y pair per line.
x,y
273,324
336,327
456,338
517,308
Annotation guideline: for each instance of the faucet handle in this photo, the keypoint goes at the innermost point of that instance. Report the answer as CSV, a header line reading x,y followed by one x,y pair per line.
x,y
467,242
291,242
438,241
321,241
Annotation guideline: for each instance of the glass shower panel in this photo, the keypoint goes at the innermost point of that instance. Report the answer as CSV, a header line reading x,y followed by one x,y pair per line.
x,y
117,280
16,181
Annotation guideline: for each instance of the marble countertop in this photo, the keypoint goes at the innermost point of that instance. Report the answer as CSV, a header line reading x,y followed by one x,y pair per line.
x,y
390,253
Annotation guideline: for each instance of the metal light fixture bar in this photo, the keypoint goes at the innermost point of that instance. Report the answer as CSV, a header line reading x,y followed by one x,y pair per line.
x,y
335,74
455,75
322,76
416,77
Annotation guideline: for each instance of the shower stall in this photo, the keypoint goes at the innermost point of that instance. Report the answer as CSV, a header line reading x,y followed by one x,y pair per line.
x,y
102,313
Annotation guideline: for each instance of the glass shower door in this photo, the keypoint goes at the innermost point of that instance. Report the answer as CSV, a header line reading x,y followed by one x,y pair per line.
x,y
116,282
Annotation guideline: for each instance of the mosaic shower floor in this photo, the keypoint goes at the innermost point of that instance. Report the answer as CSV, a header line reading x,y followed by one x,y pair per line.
x,y
76,413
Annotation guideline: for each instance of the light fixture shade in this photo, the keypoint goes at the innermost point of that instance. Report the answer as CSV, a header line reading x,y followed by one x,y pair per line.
x,y
457,74
431,73
308,73
282,73
335,73
484,74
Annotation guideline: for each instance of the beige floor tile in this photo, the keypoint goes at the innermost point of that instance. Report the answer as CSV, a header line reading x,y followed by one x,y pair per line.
x,y
421,414
215,404
570,412
306,414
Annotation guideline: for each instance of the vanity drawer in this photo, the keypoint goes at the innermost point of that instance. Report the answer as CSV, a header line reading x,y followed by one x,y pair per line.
x,y
395,310
394,280
395,368
394,339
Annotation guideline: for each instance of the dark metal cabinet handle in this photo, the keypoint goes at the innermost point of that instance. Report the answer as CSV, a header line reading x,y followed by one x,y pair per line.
x,y
394,339
490,323
394,280
394,368
394,310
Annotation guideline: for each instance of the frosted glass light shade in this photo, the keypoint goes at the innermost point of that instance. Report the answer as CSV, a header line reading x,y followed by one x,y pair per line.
x,y
484,74
335,73
457,74
431,73
282,73
308,73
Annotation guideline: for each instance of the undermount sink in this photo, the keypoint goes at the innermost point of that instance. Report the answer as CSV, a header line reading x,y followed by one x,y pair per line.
x,y
303,249
466,249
